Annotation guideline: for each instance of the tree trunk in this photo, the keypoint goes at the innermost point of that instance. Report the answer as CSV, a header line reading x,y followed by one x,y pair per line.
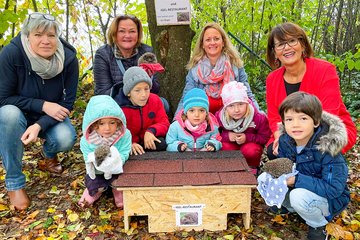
x,y
172,46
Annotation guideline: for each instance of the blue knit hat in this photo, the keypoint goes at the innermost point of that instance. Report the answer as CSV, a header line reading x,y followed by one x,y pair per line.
x,y
196,97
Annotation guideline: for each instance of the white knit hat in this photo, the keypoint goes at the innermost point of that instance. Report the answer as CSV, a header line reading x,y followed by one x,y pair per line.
x,y
234,92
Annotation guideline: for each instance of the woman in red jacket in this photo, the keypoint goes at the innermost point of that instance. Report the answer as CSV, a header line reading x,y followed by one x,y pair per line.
x,y
290,53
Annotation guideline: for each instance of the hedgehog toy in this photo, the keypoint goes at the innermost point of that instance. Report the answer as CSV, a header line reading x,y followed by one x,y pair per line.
x,y
278,167
149,63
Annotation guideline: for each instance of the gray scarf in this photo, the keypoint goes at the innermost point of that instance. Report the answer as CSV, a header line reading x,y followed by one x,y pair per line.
x,y
240,125
45,68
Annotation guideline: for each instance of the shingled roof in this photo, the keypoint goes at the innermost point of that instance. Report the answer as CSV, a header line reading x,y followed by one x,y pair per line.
x,y
160,169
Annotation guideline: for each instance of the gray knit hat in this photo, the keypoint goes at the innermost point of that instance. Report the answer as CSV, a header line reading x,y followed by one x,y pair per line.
x,y
133,76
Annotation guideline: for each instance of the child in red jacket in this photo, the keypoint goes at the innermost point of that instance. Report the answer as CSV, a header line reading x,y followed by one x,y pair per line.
x,y
144,111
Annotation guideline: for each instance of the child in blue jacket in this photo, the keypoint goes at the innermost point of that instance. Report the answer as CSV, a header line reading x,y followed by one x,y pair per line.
x,y
106,145
194,128
313,139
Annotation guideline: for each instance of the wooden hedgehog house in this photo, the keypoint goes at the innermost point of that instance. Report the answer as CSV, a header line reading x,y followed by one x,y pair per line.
x,y
186,191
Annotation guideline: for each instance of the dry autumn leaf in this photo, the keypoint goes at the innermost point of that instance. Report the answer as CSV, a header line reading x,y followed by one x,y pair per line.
x,y
338,232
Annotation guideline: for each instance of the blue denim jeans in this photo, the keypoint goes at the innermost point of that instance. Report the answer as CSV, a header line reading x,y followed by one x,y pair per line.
x,y
13,123
310,206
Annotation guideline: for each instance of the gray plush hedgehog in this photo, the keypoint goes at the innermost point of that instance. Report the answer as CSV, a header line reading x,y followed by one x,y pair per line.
x,y
278,167
101,153
106,160
147,57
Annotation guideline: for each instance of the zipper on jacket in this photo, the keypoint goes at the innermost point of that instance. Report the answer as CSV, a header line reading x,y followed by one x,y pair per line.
x,y
141,119
330,174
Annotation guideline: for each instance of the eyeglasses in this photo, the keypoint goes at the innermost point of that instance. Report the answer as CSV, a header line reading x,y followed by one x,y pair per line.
x,y
38,15
281,45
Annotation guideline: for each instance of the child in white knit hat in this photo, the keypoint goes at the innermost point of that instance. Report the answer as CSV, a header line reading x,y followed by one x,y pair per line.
x,y
242,127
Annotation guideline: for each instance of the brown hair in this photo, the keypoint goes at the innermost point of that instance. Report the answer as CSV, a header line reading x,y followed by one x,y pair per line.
x,y
282,32
95,125
228,49
114,28
302,102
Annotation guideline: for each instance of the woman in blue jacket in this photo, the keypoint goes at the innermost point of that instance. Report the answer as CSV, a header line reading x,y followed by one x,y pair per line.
x,y
39,76
214,63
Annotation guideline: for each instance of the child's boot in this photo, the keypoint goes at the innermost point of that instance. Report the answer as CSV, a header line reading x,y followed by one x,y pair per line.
x,y
118,198
87,200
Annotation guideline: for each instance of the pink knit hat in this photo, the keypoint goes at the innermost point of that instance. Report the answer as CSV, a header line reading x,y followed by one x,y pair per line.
x,y
234,92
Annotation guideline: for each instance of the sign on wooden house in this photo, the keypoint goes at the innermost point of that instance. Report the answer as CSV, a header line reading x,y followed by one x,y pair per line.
x,y
186,191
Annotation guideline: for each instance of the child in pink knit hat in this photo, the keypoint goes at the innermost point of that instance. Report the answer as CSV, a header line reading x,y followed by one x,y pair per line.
x,y
242,126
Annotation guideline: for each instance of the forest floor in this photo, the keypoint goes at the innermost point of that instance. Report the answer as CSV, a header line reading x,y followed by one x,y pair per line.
x,y
55,214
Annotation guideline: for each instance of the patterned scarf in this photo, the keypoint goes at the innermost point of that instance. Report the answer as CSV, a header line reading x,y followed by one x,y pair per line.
x,y
215,78
240,125
198,130
97,139
43,67
118,54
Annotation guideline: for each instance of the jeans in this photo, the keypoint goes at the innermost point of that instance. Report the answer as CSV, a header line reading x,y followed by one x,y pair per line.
x,y
13,123
310,206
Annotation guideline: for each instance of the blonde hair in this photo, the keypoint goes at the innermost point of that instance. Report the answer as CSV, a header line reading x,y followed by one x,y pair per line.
x,y
114,28
227,116
229,50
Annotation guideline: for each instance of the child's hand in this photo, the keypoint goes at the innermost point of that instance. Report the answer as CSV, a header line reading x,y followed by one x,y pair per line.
x,y
210,148
240,138
183,147
136,149
290,181
149,141
232,136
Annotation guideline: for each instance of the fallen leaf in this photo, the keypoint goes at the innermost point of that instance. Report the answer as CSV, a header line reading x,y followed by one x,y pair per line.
x,y
33,214
54,190
73,217
3,207
338,232
278,219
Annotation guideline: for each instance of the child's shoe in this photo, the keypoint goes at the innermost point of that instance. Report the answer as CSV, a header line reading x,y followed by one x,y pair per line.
x,y
118,198
87,200
318,233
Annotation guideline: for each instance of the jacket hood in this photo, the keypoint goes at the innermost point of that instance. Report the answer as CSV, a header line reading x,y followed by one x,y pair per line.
x,y
332,137
102,106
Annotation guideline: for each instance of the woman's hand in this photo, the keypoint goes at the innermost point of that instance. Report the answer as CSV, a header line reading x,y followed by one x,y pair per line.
x,y
276,143
149,141
136,149
55,111
31,134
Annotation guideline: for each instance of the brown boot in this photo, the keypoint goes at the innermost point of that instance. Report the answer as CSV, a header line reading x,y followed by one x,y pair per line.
x,y
19,199
50,164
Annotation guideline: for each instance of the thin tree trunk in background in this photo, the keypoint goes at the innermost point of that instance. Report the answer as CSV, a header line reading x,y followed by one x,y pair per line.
x,y
35,5
337,24
89,31
325,42
316,28
261,25
13,25
299,7
172,46
67,21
